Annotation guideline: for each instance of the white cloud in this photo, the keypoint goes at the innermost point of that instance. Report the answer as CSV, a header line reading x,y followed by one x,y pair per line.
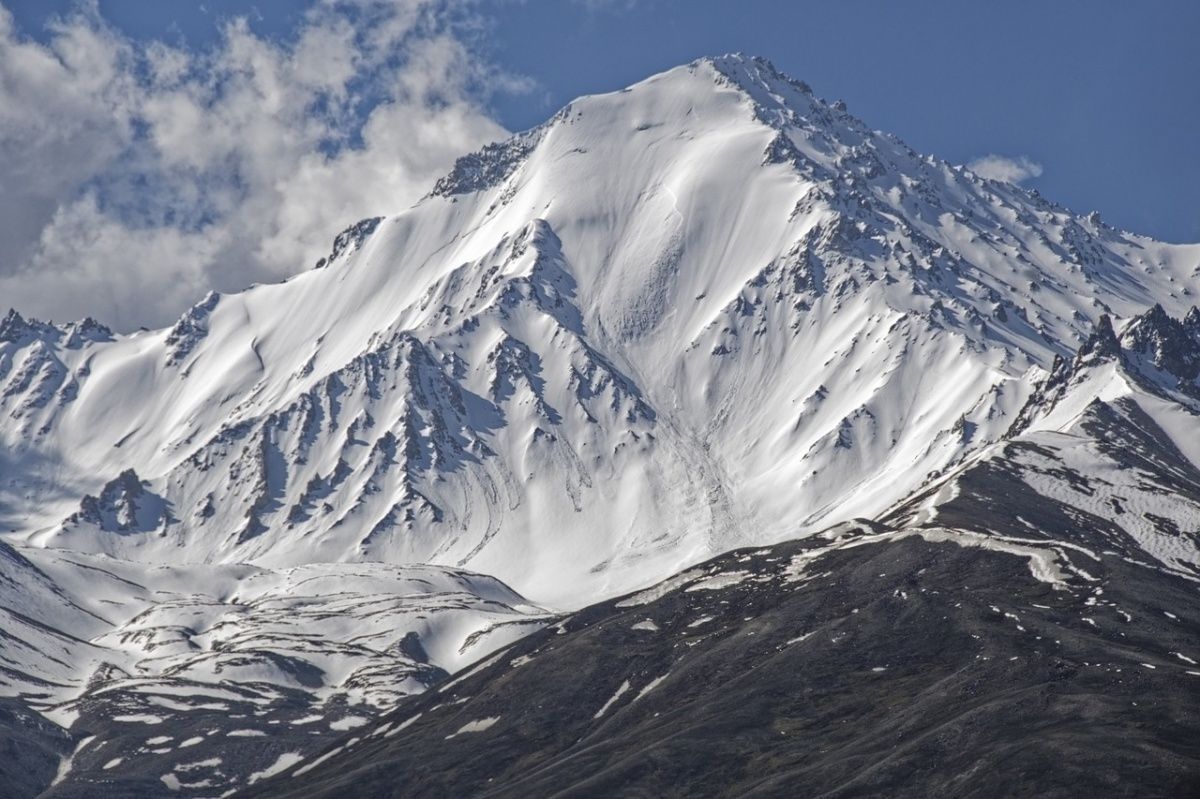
x,y
1011,170
139,175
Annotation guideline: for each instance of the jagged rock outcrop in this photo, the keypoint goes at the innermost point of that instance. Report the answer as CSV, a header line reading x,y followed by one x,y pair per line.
x,y
123,506
350,239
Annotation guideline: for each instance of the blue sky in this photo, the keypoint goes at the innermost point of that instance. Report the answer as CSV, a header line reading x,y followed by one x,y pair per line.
x,y
1100,98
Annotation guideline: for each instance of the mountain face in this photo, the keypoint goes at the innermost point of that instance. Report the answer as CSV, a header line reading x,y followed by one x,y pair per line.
x,y
706,312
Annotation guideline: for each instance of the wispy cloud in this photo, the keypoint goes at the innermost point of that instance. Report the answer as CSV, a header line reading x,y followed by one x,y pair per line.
x,y
139,175
1011,170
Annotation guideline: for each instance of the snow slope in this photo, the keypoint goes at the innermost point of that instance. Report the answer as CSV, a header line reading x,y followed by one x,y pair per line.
x,y
77,626
707,310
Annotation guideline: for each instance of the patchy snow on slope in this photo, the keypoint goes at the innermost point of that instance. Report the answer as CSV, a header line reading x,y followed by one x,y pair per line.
x,y
176,640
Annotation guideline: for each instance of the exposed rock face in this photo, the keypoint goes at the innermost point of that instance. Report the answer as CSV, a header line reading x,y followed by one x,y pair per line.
x,y
124,506
191,329
1165,347
350,239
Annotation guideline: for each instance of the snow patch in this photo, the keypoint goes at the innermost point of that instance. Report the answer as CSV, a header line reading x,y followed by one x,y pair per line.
x,y
474,726
719,581
283,762
612,699
650,686
348,723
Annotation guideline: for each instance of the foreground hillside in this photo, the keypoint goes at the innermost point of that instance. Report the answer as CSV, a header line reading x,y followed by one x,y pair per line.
x,y
860,662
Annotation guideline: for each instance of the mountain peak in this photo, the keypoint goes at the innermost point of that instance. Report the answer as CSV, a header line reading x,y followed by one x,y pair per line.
x,y
1102,343
1168,345
779,100
12,326
751,70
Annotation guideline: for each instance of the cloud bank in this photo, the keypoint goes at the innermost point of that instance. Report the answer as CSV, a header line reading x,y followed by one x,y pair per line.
x,y
1010,170
137,176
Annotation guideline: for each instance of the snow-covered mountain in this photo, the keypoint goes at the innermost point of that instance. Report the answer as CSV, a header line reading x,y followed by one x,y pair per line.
x,y
708,311
706,304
